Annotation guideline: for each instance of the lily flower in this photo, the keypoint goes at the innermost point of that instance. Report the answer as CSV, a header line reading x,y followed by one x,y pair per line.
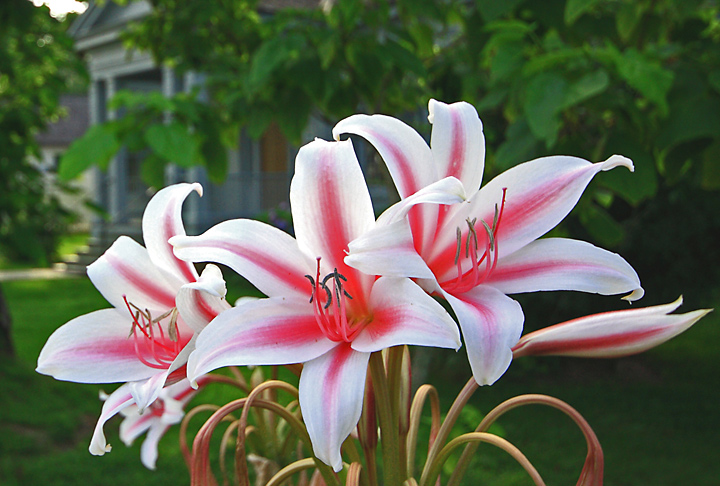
x,y
163,413
318,310
159,304
610,334
477,252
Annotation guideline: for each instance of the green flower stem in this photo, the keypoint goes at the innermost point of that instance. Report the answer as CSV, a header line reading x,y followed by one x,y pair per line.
x,y
446,427
422,394
475,438
392,468
291,469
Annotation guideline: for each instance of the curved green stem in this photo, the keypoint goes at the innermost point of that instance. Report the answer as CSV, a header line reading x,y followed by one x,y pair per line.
x,y
475,438
422,394
447,426
388,427
294,468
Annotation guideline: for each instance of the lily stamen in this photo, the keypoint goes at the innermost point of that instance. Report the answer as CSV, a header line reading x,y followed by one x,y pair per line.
x,y
152,349
472,276
331,315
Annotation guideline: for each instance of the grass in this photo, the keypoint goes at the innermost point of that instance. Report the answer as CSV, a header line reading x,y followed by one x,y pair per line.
x,y
655,414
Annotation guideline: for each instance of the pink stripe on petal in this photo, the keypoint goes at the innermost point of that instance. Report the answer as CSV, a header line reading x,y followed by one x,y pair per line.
x,y
588,346
137,279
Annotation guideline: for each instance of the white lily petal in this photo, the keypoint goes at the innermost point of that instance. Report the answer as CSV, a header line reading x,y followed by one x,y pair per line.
x,y
404,151
404,314
491,324
162,220
200,302
266,256
445,191
125,271
149,448
388,250
264,332
331,396
93,348
610,334
564,264
134,424
115,402
145,392
457,142
537,194
331,206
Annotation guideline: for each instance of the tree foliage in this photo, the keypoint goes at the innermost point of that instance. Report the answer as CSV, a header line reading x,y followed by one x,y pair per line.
x,y
36,62
583,77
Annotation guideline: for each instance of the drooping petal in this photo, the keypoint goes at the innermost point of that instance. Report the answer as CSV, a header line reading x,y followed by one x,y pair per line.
x,y
149,448
564,264
134,424
406,154
200,302
448,190
264,332
125,271
610,334
266,256
331,206
94,348
114,403
162,220
331,395
537,196
457,142
491,324
404,314
145,392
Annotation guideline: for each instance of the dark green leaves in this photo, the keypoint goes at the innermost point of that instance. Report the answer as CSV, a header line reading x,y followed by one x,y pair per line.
x,y
96,147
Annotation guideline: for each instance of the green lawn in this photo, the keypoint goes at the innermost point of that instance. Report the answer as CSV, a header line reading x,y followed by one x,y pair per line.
x,y
656,414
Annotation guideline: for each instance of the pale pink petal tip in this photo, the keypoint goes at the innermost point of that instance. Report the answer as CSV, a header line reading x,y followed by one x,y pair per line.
x,y
616,161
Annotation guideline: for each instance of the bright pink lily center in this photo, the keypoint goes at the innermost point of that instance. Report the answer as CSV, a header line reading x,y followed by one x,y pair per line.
x,y
468,249
331,314
154,346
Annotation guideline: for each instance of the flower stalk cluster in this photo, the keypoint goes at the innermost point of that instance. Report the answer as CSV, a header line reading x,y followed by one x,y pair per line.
x,y
344,300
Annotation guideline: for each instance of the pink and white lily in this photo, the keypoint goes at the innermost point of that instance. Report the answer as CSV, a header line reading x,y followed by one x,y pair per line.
x,y
318,310
609,334
477,252
159,304
163,413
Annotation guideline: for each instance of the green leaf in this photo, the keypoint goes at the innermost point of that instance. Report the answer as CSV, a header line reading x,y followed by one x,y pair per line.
x,y
710,169
586,87
601,226
272,54
544,98
647,76
173,143
714,80
152,171
690,120
519,146
575,8
96,147
627,19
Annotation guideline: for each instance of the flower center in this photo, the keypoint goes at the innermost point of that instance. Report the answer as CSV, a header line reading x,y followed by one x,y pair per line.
x,y
328,299
481,265
154,346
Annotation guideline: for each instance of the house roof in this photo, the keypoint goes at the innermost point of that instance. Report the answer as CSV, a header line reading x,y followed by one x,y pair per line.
x,y
70,127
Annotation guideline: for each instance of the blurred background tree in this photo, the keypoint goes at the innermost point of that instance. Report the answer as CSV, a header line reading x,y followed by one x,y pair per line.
x,y
582,77
37,64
